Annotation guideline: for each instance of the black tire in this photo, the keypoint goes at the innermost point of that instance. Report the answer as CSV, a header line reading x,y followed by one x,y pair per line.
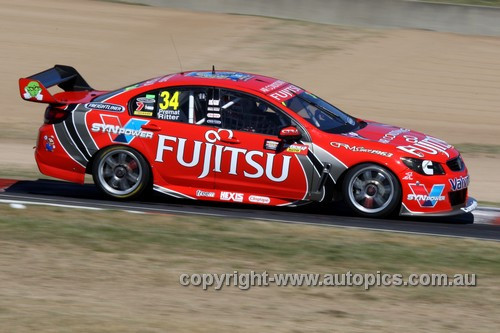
x,y
371,190
121,172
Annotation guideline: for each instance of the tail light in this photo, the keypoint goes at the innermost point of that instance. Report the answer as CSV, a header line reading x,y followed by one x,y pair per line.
x,y
54,115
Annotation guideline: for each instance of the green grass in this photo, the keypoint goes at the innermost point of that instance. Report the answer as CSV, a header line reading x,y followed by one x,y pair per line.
x,y
260,242
125,2
479,149
492,3
21,173
488,204
85,270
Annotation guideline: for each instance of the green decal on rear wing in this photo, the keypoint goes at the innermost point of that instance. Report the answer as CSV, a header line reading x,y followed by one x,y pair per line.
x,y
34,87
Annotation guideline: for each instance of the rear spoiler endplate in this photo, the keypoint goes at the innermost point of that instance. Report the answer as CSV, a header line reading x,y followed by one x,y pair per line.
x,y
34,87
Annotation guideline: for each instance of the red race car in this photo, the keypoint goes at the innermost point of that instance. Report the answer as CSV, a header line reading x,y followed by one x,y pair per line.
x,y
238,137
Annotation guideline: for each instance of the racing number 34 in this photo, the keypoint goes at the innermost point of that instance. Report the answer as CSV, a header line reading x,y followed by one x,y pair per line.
x,y
169,102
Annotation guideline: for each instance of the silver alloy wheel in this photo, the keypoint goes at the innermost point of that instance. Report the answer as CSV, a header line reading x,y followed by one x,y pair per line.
x,y
119,172
371,189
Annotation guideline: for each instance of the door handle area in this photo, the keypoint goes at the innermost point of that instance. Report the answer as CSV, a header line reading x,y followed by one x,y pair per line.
x,y
151,127
230,140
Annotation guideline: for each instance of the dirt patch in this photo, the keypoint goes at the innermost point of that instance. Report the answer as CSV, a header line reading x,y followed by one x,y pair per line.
x,y
442,84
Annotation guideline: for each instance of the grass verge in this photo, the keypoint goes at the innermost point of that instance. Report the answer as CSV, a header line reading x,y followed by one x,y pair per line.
x,y
295,246
85,270
491,3
492,151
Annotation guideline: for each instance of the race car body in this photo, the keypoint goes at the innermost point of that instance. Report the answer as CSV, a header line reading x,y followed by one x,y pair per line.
x,y
239,137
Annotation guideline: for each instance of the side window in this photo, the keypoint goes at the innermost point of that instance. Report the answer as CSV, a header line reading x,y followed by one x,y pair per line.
x,y
187,105
247,113
173,105
144,105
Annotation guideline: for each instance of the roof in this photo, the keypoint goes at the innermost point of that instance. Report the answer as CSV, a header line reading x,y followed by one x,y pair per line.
x,y
277,89
260,83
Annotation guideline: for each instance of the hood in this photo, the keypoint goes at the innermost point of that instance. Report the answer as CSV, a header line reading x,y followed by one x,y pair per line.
x,y
406,142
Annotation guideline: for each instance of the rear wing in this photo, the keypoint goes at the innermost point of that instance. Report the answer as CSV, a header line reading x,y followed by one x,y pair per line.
x,y
34,87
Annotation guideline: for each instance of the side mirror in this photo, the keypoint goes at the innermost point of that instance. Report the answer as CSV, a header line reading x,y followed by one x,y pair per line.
x,y
290,134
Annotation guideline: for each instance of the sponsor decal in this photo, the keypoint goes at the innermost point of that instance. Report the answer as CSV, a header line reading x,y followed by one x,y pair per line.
x,y
233,76
210,155
354,135
200,193
286,93
166,78
290,131
273,86
214,122
388,137
143,113
231,196
296,148
33,90
150,82
169,114
105,107
271,145
131,87
360,149
423,197
428,167
49,143
213,115
145,103
408,176
259,199
428,145
459,183
213,136
119,133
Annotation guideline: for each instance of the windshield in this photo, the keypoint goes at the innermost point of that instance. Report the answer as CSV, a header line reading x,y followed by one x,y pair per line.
x,y
321,114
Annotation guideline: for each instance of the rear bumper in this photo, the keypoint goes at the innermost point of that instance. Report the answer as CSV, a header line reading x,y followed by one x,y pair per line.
x,y
470,205
53,160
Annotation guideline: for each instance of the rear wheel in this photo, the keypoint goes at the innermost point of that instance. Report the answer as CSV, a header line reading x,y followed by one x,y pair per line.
x,y
371,190
121,172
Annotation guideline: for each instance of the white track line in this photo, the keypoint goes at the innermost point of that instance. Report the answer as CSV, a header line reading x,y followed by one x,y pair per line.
x,y
7,201
47,204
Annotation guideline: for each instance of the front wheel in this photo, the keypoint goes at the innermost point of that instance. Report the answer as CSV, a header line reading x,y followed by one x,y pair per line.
x,y
121,172
371,190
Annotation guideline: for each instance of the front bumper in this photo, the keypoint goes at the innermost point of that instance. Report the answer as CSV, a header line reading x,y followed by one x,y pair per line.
x,y
470,205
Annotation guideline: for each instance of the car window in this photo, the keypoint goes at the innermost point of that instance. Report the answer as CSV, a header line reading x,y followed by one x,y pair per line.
x,y
144,105
320,113
186,104
173,105
247,113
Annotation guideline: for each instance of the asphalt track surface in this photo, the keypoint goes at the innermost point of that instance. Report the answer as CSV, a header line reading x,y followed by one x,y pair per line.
x,y
58,193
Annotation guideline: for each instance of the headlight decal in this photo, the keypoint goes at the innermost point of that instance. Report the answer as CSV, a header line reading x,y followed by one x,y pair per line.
x,y
423,167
